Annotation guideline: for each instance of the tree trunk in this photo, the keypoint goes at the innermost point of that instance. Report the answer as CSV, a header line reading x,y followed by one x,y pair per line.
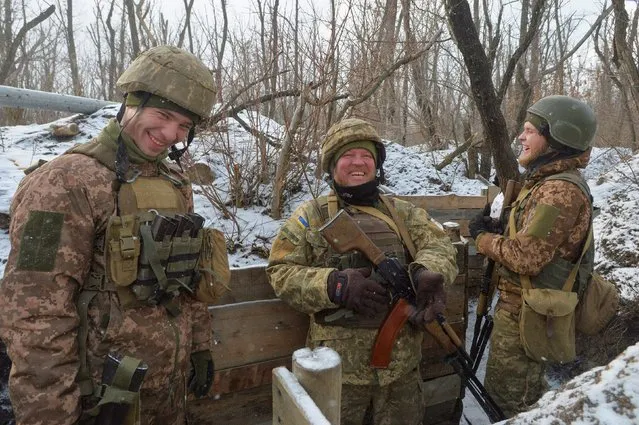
x,y
135,39
73,58
484,94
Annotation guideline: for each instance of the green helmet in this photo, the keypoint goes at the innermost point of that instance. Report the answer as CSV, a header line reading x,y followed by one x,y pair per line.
x,y
571,122
347,131
174,74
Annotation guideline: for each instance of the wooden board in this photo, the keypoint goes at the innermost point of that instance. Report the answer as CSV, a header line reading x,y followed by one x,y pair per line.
x,y
446,202
256,331
248,284
249,407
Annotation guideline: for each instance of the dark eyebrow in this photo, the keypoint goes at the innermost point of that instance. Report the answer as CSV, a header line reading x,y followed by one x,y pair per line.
x,y
178,117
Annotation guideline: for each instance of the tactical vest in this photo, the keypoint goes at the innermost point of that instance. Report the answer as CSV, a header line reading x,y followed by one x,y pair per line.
x,y
144,262
386,239
555,273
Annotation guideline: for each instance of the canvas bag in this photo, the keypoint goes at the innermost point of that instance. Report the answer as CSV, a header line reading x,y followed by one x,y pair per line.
x,y
598,305
213,267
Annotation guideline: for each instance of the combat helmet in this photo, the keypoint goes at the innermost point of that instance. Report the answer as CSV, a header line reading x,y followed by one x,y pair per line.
x,y
174,74
347,131
571,122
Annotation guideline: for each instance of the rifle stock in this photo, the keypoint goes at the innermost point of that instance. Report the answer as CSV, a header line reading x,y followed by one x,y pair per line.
x,y
343,234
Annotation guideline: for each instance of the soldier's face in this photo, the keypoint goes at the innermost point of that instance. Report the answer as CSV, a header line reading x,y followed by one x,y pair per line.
x,y
354,167
154,130
533,144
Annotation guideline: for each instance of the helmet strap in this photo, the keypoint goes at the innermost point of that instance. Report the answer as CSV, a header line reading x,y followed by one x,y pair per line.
x,y
176,153
122,162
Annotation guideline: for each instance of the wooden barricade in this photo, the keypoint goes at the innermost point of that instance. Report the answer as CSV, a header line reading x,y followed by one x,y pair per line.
x,y
254,333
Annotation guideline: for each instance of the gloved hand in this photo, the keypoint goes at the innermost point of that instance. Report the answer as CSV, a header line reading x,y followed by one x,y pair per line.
x,y
353,289
483,222
202,370
430,296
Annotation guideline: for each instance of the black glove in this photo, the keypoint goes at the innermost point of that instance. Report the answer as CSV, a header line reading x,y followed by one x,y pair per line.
x,y
201,373
483,222
430,296
353,289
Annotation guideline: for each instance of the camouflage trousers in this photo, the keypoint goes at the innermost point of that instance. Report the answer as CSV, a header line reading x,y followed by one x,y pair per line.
x,y
513,380
399,403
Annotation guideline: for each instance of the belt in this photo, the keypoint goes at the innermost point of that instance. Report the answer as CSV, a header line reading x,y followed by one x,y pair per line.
x,y
509,296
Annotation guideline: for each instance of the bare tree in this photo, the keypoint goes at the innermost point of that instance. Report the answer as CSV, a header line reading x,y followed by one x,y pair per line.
x,y
12,43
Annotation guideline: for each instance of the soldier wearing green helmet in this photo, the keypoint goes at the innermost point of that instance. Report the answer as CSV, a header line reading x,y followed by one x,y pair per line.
x,y
345,302
548,235
96,268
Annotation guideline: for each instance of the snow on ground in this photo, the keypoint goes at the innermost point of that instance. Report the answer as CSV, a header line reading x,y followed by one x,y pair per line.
x,y
612,175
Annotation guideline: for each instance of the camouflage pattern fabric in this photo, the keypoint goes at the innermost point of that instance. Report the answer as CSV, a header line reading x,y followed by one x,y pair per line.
x,y
528,253
399,403
298,273
38,312
513,379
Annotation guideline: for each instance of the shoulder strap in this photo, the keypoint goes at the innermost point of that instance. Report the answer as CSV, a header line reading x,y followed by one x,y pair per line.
x,y
401,225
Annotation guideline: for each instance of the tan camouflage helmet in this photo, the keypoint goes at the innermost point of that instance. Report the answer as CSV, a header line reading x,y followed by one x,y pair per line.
x,y
174,74
347,131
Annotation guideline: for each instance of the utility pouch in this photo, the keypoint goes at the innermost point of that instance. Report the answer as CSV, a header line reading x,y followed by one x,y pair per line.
x,y
598,305
547,324
213,270
122,249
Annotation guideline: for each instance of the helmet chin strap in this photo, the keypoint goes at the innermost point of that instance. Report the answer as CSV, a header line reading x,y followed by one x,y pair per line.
x,y
122,162
176,153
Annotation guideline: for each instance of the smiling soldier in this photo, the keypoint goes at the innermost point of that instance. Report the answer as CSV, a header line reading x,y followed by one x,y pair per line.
x,y
346,303
82,298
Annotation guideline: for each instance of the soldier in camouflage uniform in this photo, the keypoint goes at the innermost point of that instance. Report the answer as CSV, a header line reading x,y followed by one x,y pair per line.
x,y
552,224
63,307
345,302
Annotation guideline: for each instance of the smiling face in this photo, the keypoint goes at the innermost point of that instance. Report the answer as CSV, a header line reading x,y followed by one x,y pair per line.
x,y
154,130
355,167
533,144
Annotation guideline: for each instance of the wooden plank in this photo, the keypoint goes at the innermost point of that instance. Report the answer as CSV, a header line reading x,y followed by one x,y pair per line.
x,y
446,201
291,403
453,215
248,284
256,331
245,377
441,389
249,407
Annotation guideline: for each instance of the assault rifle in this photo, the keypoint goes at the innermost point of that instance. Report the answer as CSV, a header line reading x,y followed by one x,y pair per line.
x,y
122,378
483,321
344,235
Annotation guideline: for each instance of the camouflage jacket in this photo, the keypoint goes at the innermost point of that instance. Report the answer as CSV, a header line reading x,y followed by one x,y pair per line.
x,y
554,223
61,210
299,277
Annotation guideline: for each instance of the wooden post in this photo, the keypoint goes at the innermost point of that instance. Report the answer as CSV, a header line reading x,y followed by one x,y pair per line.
x,y
311,395
320,373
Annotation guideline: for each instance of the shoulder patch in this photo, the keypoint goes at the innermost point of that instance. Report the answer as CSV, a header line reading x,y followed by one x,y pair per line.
x,y
543,220
40,241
